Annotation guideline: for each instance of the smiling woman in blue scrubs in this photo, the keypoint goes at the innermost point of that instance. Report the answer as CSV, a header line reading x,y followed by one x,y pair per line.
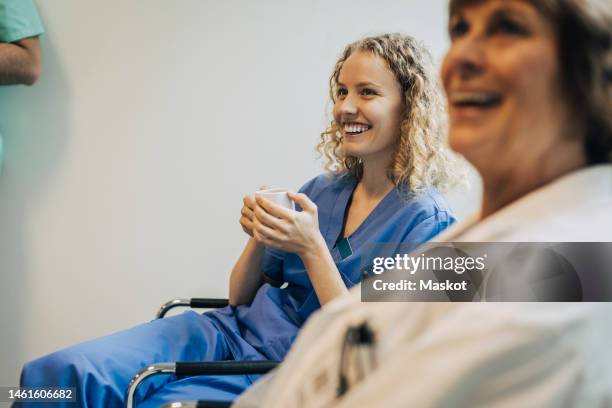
x,y
389,159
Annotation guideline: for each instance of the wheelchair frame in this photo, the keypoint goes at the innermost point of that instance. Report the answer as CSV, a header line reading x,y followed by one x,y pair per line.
x,y
186,369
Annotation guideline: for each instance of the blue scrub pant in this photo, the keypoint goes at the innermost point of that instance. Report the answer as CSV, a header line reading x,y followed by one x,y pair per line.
x,y
101,369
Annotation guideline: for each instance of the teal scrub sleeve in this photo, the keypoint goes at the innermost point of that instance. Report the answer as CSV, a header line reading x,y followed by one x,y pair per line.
x,y
18,20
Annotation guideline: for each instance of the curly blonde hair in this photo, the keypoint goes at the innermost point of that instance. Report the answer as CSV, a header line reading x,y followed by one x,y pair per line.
x,y
422,157
584,34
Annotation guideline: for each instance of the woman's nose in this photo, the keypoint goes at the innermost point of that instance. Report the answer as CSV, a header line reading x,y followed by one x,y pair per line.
x,y
348,105
464,59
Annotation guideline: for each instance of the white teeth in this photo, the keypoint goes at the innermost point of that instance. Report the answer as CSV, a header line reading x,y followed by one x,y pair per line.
x,y
355,128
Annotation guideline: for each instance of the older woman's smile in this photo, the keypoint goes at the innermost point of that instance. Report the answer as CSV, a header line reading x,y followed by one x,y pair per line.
x,y
477,99
472,103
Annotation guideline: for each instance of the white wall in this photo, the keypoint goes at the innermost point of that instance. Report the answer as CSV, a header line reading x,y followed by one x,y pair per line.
x,y
127,162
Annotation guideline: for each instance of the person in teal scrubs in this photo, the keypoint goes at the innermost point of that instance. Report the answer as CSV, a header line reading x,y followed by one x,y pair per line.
x,y
20,60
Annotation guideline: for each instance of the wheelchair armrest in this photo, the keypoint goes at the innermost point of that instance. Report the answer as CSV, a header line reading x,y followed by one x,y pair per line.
x,y
224,367
183,369
200,303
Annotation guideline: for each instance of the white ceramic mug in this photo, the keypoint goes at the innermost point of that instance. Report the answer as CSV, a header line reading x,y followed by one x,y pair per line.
x,y
277,196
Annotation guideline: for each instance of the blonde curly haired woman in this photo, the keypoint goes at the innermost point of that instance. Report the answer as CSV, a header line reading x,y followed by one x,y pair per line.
x,y
386,156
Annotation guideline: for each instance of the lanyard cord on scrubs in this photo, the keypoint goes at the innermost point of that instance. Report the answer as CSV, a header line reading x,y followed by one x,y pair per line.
x,y
342,242
360,336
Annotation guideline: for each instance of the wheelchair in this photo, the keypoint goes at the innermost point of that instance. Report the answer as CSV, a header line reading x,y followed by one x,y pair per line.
x,y
187,369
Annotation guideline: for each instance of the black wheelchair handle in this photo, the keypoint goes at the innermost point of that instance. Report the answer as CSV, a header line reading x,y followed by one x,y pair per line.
x,y
208,303
198,303
224,367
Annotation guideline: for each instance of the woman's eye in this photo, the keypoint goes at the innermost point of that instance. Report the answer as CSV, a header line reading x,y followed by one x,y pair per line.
x,y
458,28
508,26
368,92
341,92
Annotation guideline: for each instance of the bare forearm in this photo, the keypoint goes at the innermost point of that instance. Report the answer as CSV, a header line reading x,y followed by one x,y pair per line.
x,y
246,276
20,62
323,273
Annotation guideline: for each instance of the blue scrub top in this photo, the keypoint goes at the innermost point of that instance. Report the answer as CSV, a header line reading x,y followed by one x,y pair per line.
x,y
18,20
266,328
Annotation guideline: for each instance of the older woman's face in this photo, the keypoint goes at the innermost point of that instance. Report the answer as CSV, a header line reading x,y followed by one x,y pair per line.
x,y
501,77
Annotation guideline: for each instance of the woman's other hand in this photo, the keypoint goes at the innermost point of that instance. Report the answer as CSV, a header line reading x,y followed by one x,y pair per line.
x,y
288,230
247,212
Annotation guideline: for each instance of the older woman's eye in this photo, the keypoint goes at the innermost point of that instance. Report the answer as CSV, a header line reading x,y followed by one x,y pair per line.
x,y
506,25
457,28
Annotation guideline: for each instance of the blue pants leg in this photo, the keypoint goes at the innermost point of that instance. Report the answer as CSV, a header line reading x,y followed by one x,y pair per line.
x,y
101,369
208,388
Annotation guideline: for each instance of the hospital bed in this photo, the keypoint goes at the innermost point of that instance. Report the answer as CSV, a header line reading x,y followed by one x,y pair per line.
x,y
186,369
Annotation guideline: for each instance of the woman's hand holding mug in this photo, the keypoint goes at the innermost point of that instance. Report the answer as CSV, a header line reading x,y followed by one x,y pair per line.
x,y
286,229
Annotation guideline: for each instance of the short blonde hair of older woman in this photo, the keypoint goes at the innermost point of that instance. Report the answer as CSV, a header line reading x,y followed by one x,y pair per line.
x,y
584,34
422,156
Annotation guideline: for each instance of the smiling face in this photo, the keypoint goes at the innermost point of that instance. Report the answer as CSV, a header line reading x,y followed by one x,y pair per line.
x,y
502,80
368,107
